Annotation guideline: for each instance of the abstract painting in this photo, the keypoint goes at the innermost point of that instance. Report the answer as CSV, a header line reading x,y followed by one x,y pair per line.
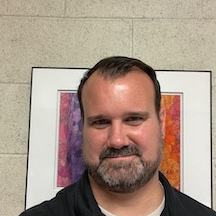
x,y
70,164
171,164
54,153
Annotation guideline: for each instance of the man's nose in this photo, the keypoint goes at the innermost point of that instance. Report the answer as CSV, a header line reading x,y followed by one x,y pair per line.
x,y
118,136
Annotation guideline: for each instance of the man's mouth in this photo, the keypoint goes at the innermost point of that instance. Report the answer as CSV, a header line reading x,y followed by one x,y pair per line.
x,y
126,151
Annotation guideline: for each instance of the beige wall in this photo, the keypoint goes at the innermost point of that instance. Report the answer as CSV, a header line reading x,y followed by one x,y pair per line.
x,y
73,33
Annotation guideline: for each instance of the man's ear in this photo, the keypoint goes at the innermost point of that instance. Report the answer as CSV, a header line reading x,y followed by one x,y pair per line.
x,y
162,119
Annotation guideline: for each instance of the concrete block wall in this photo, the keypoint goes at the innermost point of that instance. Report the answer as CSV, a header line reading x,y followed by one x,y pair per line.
x,y
166,34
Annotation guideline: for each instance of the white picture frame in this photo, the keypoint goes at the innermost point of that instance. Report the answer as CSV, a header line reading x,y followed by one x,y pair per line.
x,y
196,171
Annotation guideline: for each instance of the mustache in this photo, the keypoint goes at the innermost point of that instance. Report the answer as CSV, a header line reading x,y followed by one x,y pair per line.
x,y
125,150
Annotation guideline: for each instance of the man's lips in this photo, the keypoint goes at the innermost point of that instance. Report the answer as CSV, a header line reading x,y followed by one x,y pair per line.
x,y
120,156
125,151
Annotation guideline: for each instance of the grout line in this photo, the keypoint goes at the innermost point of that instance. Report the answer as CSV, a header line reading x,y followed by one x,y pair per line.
x,y
13,154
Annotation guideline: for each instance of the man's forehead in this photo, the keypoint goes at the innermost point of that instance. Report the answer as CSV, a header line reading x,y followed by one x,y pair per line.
x,y
136,80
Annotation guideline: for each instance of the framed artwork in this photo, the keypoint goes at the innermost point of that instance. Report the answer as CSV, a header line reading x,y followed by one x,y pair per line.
x,y
55,158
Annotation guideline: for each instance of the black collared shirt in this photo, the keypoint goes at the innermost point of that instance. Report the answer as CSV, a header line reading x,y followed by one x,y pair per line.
x,y
78,200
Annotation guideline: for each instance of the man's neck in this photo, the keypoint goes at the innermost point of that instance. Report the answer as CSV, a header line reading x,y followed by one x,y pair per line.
x,y
141,202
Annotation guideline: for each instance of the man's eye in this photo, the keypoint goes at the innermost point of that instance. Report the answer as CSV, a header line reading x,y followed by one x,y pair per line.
x,y
101,123
134,120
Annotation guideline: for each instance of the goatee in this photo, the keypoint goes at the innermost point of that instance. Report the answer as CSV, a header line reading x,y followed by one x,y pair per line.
x,y
124,176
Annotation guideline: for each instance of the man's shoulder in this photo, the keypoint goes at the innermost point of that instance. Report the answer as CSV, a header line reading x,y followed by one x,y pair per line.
x,y
191,206
178,203
59,205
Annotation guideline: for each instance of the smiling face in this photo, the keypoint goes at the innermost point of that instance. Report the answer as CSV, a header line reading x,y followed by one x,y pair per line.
x,y
122,133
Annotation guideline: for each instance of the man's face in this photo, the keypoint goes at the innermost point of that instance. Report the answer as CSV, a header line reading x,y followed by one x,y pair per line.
x,y
122,134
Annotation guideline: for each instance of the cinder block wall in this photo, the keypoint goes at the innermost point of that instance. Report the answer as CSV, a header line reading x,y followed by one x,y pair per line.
x,y
72,33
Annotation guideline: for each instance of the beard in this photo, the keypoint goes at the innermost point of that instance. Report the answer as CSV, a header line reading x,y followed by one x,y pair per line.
x,y
124,176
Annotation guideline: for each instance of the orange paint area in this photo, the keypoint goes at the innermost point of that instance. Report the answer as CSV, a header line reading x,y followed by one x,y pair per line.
x,y
170,165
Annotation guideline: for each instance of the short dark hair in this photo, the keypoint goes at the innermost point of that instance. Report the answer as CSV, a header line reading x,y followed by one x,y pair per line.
x,y
118,66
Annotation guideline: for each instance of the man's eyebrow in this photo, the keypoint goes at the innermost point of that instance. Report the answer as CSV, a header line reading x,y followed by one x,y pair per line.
x,y
130,113
138,113
95,118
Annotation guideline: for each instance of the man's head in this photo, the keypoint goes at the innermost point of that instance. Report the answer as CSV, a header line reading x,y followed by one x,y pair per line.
x,y
123,124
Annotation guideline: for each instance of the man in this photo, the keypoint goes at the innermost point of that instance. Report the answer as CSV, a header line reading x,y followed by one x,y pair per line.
x,y
123,130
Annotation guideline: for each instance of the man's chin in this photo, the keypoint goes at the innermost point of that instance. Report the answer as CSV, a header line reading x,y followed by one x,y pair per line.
x,y
118,178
